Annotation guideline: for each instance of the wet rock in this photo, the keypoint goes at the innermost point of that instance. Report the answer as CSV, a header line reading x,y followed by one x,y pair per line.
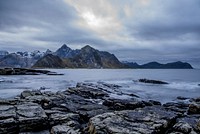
x,y
8,126
8,123
152,81
182,98
60,118
27,93
64,129
179,107
153,102
77,104
31,117
25,71
147,120
194,108
87,92
39,132
182,127
187,125
118,104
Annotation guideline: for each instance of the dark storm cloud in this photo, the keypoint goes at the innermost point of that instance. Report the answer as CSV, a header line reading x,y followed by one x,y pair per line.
x,y
139,30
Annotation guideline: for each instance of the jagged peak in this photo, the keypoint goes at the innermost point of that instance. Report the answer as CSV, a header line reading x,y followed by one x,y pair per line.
x,y
64,46
87,47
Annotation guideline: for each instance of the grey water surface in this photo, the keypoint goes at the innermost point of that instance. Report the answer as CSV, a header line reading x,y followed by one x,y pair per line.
x,y
181,82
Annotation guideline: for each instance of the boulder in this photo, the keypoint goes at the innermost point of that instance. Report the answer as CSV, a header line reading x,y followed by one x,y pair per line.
x,y
146,121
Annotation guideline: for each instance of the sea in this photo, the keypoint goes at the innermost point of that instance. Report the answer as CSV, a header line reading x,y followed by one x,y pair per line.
x,y
182,82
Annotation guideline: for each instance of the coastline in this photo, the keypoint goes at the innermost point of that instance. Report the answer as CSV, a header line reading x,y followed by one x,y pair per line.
x,y
88,108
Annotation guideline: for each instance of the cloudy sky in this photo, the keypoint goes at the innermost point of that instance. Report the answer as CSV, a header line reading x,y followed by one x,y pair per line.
x,y
134,30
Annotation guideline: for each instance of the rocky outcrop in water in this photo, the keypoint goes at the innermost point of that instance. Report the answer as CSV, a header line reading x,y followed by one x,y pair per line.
x,y
25,71
152,81
89,109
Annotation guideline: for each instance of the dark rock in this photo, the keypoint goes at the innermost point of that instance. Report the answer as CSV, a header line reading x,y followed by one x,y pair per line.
x,y
194,108
77,104
182,98
8,124
88,92
27,93
117,104
39,132
152,81
155,102
64,129
182,127
31,117
53,73
147,120
179,107
60,118
187,125
22,71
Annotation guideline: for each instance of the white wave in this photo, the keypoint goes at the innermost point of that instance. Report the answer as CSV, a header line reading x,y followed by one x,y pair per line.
x,y
184,85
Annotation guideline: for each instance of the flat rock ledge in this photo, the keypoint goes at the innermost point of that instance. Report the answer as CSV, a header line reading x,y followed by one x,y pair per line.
x,y
89,109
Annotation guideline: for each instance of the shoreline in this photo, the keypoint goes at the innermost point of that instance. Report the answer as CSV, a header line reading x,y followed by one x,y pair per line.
x,y
88,108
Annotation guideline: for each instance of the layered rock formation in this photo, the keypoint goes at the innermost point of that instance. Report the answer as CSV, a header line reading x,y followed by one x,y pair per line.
x,y
89,109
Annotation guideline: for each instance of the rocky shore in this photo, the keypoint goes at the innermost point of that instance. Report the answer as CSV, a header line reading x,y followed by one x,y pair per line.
x,y
90,109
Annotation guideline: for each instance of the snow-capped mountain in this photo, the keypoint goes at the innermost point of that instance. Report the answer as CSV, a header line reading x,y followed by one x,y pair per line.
x,y
20,59
3,54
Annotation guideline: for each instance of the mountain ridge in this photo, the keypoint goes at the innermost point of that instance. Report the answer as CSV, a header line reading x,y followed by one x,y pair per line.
x,y
86,57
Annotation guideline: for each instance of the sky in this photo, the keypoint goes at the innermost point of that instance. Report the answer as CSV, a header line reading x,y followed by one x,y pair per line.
x,y
134,30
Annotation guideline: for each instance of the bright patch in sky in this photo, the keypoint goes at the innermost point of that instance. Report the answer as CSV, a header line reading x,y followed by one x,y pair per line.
x,y
92,20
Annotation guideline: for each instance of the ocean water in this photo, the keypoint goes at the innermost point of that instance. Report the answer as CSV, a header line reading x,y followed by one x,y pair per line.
x,y
181,82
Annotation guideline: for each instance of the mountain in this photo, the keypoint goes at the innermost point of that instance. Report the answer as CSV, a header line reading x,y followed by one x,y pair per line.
x,y
152,65
49,61
66,52
86,57
20,59
156,65
131,64
178,64
89,57
14,60
3,54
